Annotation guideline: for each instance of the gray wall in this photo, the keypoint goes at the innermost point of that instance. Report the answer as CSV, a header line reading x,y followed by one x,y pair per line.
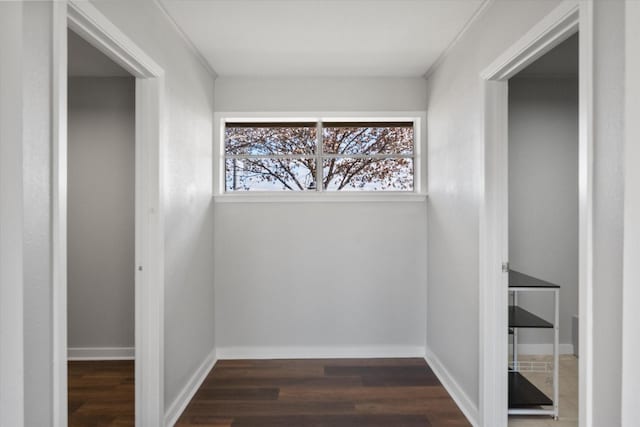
x,y
37,135
11,223
101,212
257,94
311,278
455,160
543,194
455,156
188,291
187,184
320,279
608,181
631,291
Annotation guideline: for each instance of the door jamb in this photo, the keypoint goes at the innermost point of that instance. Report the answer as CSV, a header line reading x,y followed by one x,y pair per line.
x,y
84,19
567,18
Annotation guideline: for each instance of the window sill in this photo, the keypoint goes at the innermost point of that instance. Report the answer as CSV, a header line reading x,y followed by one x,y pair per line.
x,y
321,197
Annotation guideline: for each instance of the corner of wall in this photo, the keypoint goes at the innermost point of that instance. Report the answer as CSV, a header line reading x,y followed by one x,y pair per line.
x,y
464,402
179,404
187,41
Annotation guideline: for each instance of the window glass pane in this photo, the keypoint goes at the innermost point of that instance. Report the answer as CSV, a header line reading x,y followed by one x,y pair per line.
x,y
269,139
348,174
270,174
367,138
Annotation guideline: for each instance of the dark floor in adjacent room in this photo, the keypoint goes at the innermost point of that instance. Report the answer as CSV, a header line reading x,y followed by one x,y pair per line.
x,y
324,392
101,393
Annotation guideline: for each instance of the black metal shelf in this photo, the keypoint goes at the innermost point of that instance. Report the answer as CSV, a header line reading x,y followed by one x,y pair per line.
x,y
520,280
523,394
524,397
521,318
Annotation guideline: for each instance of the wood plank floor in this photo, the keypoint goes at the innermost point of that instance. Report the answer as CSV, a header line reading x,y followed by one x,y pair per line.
x,y
101,393
323,392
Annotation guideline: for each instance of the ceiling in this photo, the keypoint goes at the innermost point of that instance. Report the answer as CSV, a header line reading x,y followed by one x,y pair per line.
x,y
86,60
321,37
562,60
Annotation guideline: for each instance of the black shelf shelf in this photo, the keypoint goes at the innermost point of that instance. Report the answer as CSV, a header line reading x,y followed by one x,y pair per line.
x,y
524,397
520,280
523,394
521,318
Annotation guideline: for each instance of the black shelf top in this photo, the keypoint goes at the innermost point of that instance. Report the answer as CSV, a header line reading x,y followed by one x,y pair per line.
x,y
519,280
523,394
521,318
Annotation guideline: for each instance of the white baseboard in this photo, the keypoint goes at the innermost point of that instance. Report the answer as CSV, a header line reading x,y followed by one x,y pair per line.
x,y
101,353
542,349
180,403
466,405
318,352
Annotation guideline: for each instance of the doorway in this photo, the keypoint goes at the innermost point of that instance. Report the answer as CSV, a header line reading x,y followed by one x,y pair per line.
x,y
568,18
543,239
91,25
100,237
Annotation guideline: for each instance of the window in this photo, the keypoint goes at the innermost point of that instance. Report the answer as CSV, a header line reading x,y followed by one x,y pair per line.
x,y
319,156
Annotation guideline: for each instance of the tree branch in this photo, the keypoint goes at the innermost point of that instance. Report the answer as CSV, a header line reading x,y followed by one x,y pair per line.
x,y
269,172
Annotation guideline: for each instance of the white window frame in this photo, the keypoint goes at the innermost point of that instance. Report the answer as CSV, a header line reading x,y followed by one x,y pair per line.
x,y
419,119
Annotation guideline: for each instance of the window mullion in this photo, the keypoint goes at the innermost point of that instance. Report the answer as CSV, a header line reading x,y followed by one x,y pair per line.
x,y
319,163
417,165
369,156
269,156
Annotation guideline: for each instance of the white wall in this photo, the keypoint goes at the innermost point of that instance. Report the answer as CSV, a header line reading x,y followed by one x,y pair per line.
x,y
37,171
101,223
455,158
319,94
320,279
631,291
313,279
188,201
455,171
26,109
11,223
543,195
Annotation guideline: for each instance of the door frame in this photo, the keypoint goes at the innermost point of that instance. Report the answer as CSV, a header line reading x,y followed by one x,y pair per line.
x,y
566,19
150,141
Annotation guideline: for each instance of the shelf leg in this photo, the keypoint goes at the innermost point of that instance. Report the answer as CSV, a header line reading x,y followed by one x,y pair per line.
x,y
515,336
556,359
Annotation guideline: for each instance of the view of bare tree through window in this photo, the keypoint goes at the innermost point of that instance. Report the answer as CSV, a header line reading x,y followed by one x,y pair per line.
x,y
355,156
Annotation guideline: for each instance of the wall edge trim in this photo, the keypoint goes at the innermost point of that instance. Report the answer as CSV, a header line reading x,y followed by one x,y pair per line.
x,y
464,402
300,352
179,404
100,353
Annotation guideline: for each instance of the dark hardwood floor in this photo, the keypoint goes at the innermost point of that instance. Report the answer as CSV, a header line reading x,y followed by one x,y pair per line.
x,y
319,393
101,393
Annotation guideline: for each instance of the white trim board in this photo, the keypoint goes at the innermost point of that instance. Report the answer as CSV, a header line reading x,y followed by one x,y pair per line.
x,y
631,290
453,388
319,352
553,29
59,213
288,197
101,353
542,349
180,403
